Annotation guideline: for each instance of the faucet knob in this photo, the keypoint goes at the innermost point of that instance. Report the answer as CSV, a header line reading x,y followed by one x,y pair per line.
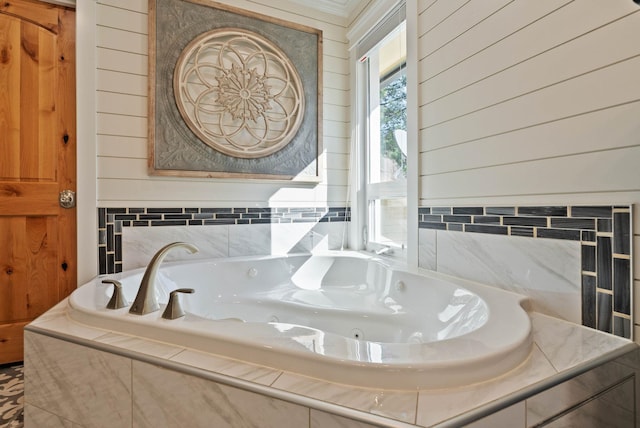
x,y
173,309
117,298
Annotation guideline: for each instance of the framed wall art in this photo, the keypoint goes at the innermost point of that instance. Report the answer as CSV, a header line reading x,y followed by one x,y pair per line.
x,y
232,93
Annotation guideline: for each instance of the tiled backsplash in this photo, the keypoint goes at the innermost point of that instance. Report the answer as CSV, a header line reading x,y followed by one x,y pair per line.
x,y
603,233
111,222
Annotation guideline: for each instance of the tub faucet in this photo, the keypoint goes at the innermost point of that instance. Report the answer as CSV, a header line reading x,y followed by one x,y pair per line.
x,y
386,250
146,300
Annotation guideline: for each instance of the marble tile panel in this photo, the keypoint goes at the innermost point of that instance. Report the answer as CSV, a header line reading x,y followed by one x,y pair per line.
x,y
226,366
400,405
249,240
164,398
547,270
567,345
600,412
38,418
140,345
631,359
512,417
139,244
78,384
60,323
435,406
289,238
558,399
427,249
330,236
323,420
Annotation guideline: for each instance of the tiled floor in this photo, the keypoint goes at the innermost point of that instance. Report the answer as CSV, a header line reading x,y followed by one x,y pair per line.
x,y
11,396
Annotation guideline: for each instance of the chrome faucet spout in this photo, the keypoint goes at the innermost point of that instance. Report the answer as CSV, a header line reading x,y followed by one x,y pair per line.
x,y
146,300
384,250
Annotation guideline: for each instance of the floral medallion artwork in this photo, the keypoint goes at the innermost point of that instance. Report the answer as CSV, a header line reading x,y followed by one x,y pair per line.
x,y
232,93
239,93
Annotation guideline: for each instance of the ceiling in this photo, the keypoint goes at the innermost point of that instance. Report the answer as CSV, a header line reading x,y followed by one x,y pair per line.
x,y
342,8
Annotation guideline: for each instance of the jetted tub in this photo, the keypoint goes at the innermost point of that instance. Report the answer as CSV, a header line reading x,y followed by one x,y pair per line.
x,y
344,317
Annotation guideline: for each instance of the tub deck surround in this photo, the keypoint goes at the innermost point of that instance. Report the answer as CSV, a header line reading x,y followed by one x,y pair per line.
x,y
561,351
601,235
344,317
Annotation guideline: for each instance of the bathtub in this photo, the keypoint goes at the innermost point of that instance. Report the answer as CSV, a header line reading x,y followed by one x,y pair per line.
x,y
344,317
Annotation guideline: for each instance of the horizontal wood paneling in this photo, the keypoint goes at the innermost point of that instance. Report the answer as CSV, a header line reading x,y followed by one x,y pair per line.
x,y
438,13
124,104
605,87
131,5
601,130
459,23
124,83
425,4
228,193
117,124
109,59
483,39
566,61
124,147
336,65
122,40
121,19
612,170
136,169
333,27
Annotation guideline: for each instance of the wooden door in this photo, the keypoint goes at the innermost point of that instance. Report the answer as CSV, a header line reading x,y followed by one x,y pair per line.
x,y
37,162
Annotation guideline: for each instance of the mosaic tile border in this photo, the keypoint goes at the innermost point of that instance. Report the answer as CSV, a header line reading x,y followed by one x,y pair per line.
x,y
111,221
604,233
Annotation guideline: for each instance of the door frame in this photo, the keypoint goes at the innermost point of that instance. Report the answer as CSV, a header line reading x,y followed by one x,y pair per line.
x,y
86,149
86,153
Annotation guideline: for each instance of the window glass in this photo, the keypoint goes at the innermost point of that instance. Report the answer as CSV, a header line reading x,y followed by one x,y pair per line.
x,y
387,109
386,141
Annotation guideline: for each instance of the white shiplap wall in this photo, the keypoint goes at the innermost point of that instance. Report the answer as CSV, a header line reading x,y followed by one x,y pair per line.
x,y
121,98
530,102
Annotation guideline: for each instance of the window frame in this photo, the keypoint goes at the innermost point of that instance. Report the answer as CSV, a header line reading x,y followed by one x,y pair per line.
x,y
368,95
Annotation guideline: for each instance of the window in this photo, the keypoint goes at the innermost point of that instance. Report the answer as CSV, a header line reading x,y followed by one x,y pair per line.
x,y
384,98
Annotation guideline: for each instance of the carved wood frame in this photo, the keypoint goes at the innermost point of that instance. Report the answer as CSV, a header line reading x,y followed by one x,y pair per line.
x,y
312,138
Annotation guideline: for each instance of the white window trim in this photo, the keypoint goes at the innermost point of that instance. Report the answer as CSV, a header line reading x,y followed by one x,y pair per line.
x,y
359,200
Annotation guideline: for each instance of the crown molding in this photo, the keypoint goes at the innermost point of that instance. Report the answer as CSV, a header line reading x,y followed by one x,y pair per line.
x,y
370,17
342,8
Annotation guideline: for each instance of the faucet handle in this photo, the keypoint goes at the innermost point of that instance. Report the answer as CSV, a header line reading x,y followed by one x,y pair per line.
x,y
117,298
173,309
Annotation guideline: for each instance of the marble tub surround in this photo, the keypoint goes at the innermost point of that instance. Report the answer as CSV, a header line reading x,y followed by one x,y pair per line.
x,y
546,270
561,352
128,237
515,247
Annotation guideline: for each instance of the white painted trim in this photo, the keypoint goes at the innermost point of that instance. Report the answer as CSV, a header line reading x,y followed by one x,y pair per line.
x,y
357,171
340,8
413,156
369,18
86,141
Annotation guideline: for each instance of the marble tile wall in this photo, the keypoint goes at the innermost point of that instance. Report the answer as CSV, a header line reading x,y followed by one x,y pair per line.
x,y
126,391
574,261
128,237
108,390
